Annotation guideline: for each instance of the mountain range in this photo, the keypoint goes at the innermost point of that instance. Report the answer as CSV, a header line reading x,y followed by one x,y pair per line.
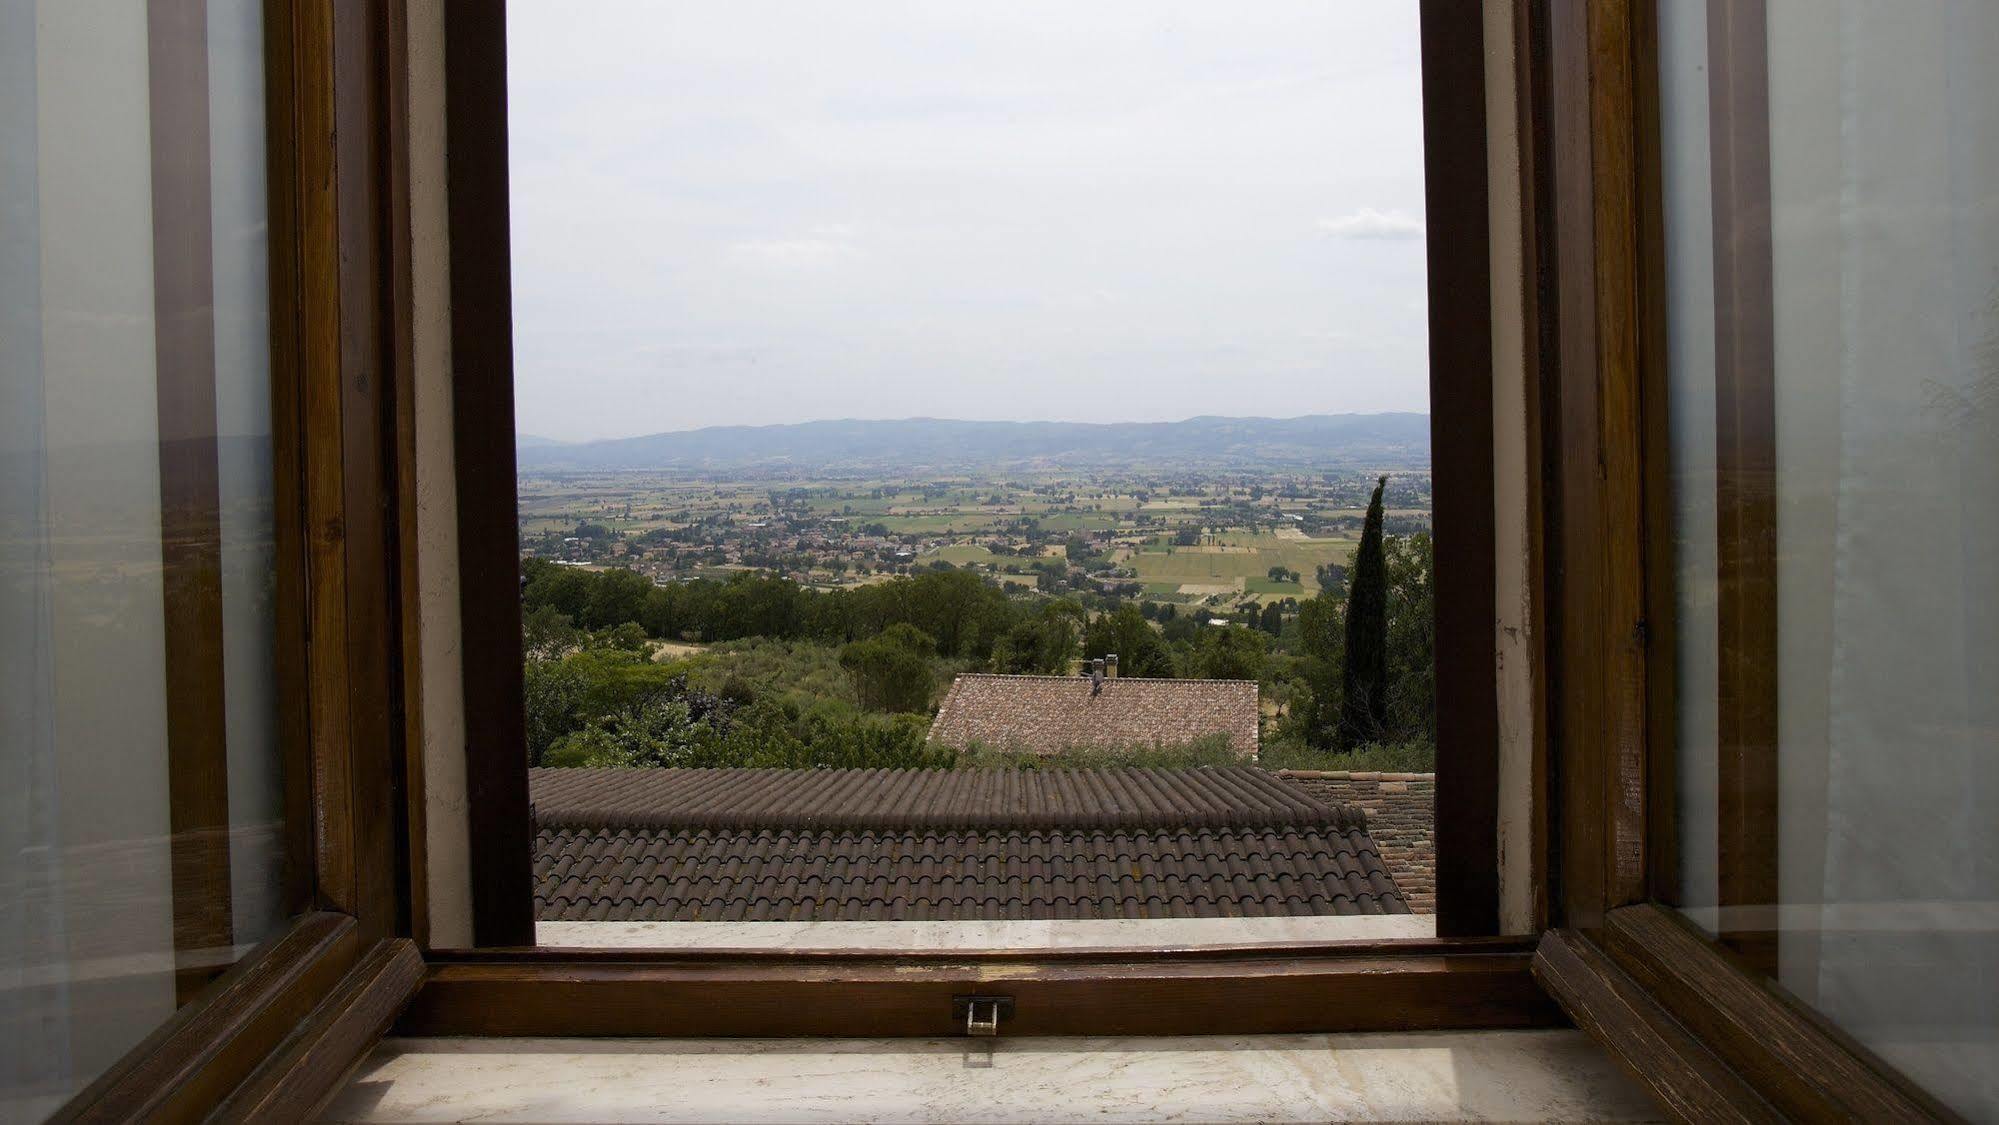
x,y
1317,441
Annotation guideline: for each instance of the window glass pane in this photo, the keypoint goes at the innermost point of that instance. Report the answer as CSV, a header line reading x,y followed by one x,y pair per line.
x,y
140,825
1831,180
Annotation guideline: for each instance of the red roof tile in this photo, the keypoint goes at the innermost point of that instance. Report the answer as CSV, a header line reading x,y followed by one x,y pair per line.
x,y
825,845
1049,713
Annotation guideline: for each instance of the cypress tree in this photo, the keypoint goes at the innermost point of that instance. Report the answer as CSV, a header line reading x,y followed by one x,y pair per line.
x,y
1364,674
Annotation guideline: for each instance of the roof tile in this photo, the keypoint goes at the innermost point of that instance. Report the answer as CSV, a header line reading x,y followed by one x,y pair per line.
x,y
1049,713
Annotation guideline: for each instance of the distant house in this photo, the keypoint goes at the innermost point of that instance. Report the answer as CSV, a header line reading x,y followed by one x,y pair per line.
x,y
1045,714
735,845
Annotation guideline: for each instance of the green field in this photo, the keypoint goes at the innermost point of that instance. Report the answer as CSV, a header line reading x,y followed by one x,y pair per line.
x,y
1245,556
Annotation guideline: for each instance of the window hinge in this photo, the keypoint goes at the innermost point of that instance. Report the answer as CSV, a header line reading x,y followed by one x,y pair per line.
x,y
982,1014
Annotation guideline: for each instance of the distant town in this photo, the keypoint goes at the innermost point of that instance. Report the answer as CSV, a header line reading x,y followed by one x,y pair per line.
x,y
786,595
1231,543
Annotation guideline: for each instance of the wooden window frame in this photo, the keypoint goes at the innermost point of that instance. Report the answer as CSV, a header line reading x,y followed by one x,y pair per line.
x,y
1695,1020
270,1038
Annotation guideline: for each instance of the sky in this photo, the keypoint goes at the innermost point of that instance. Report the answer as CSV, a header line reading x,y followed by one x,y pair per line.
x,y
754,212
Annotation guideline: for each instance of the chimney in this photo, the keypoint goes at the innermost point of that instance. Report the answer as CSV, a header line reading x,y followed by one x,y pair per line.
x,y
1110,665
1096,676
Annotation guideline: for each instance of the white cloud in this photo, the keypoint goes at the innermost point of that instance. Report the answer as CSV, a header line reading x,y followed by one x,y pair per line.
x,y
1368,223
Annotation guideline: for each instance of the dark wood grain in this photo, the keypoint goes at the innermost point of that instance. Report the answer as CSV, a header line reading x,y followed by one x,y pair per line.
x,y
1680,1073
1745,466
300,1077
1801,1064
893,996
1661,608
483,430
373,756
186,1066
1539,347
190,489
291,650
1461,423
352,600
317,218
403,373
1595,538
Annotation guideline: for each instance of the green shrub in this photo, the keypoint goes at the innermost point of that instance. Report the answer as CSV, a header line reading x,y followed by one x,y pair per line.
x,y
1391,757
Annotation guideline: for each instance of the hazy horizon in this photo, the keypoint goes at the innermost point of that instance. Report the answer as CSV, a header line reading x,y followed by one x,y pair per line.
x,y
769,212
520,433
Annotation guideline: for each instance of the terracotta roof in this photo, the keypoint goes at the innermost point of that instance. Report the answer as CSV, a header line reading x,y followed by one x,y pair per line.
x,y
1048,713
825,845
1401,819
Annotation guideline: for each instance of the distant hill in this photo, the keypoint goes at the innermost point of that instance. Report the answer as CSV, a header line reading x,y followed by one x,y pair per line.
x,y
530,441
1319,441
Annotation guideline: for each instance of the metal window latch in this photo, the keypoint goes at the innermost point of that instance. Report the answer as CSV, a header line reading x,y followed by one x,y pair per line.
x,y
982,1014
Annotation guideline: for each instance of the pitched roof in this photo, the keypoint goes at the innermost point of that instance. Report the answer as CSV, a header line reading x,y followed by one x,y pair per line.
x,y
1048,713
1233,796
824,845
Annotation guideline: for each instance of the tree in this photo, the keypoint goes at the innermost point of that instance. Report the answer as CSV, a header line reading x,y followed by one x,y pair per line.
x,y
1140,651
1364,667
553,691
1332,576
1043,644
891,671
616,596
1232,653
1322,636
547,633
1272,619
1412,632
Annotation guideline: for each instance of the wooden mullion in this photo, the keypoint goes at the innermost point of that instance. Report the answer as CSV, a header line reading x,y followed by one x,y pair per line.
x,y
399,252
347,409
288,508
1612,28
372,757
1461,420
1541,359
320,376
1662,853
1596,539
482,403
1746,469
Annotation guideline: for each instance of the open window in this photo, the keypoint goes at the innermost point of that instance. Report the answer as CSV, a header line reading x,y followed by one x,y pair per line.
x,y
719,553
1710,320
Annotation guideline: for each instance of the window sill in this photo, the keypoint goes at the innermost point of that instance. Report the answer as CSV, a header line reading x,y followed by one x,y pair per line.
x,y
1116,933
1554,1075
